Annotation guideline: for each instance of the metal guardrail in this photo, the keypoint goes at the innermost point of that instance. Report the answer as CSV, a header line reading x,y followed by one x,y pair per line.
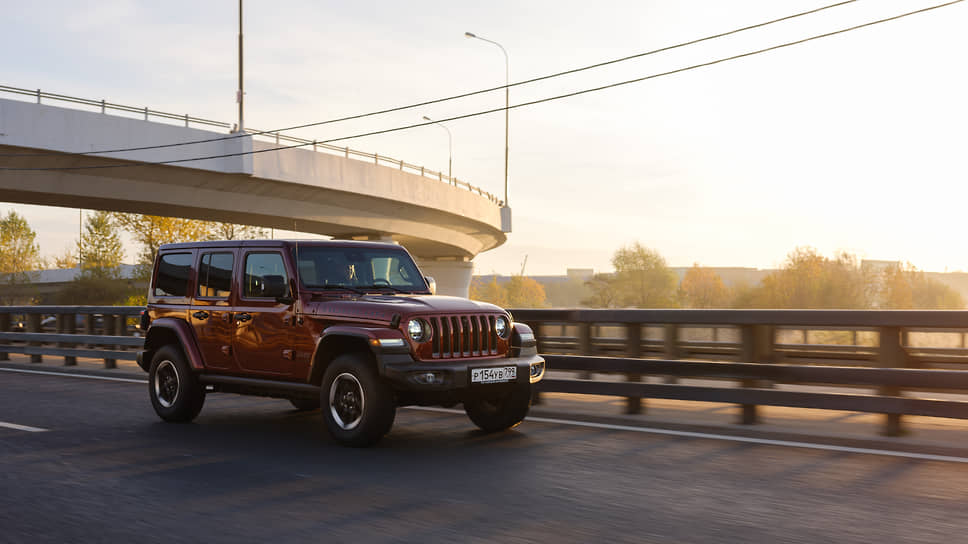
x,y
22,330
268,135
893,365
751,367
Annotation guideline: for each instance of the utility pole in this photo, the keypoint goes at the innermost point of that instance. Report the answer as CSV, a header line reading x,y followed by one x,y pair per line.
x,y
241,93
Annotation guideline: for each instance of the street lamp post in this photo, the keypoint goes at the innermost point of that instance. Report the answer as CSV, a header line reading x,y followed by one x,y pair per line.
x,y
240,96
507,82
450,148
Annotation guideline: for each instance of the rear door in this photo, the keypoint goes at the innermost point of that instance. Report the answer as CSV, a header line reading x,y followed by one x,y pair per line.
x,y
262,342
211,313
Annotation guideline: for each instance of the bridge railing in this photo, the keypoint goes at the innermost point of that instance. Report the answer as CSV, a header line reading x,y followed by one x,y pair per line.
x,y
761,358
100,332
894,363
278,137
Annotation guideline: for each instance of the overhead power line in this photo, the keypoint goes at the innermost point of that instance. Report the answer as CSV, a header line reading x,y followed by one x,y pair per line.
x,y
453,97
514,106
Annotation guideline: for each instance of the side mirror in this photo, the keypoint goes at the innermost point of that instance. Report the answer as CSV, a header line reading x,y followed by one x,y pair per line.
x,y
431,285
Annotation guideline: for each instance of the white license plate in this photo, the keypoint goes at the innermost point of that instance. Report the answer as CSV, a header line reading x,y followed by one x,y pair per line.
x,y
494,375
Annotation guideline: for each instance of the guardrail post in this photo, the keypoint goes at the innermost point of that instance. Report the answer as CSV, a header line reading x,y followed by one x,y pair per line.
x,y
4,327
748,355
146,113
66,324
103,104
670,346
585,345
38,96
109,327
633,350
891,355
33,325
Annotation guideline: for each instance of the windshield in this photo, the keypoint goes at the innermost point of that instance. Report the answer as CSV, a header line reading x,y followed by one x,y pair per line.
x,y
357,268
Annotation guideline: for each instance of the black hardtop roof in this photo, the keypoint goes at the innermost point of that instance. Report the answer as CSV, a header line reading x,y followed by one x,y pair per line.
x,y
277,243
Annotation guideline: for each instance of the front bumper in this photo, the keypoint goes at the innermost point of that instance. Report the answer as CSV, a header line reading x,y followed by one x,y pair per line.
x,y
410,375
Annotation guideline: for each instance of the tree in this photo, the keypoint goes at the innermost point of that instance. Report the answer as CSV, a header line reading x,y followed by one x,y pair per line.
x,y
518,292
703,288
232,231
809,280
151,231
67,259
100,248
903,286
603,293
19,252
525,292
642,278
489,291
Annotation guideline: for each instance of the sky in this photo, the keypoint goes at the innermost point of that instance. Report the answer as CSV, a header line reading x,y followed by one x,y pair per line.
x,y
855,142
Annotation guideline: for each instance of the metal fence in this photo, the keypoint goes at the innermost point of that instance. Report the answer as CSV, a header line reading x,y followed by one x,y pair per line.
x,y
752,357
275,136
101,332
894,363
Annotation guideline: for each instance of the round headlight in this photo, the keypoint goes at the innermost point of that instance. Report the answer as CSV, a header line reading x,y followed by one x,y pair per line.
x,y
416,330
501,326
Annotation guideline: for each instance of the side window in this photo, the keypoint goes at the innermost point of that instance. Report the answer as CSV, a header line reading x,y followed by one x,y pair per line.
x,y
172,277
265,276
215,275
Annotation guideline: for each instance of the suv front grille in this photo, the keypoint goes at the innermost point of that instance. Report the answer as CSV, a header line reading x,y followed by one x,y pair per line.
x,y
463,336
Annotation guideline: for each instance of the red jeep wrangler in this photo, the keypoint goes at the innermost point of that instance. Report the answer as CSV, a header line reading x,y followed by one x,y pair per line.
x,y
350,326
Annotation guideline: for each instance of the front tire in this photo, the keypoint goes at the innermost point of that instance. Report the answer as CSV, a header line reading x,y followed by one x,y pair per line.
x,y
493,414
174,390
357,405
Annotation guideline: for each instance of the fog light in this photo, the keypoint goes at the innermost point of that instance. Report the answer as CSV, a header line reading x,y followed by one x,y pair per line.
x,y
428,378
537,369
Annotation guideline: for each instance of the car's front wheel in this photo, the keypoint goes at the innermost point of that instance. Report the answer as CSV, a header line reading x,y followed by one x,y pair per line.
x,y
357,404
494,413
174,390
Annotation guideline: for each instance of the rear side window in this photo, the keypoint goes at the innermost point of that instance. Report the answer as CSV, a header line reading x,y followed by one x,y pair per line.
x,y
172,277
215,275
265,274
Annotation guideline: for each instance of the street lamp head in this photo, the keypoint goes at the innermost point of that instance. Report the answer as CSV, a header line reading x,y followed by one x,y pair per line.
x,y
470,35
427,118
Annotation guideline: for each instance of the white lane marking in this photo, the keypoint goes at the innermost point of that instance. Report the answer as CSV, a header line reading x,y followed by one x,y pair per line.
x,y
16,427
71,375
726,437
609,426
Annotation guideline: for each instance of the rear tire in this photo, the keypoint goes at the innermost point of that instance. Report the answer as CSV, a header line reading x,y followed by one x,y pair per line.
x,y
174,390
305,405
501,412
357,405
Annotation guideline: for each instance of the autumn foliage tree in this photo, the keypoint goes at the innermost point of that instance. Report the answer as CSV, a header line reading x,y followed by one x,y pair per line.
x,y
518,292
902,286
703,288
641,280
19,252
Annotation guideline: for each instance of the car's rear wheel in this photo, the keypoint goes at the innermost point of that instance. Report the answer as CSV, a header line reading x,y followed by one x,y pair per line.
x,y
499,412
357,404
174,390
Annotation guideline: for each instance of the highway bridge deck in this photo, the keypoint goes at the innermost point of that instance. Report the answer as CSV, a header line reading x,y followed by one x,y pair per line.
x,y
104,468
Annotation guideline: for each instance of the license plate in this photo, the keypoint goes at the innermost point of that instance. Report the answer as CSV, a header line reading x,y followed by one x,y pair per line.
x,y
494,375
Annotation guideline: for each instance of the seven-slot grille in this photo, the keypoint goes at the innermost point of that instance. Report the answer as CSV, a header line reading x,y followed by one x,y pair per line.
x,y
463,336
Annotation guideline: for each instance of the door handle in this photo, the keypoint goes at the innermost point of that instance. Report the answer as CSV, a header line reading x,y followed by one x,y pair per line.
x,y
201,314
243,317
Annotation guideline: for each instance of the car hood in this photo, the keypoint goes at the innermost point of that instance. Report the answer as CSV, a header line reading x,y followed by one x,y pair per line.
x,y
384,307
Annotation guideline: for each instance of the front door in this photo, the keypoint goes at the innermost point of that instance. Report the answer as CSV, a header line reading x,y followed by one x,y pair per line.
x,y
262,324
211,314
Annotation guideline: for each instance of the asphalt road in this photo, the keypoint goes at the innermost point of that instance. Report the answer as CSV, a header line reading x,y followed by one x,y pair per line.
x,y
106,469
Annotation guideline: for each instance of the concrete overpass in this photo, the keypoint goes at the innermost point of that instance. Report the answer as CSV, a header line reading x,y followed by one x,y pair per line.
x,y
442,222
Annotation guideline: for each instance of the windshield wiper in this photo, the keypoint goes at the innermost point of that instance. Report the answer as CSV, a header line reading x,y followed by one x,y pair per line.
x,y
341,286
390,287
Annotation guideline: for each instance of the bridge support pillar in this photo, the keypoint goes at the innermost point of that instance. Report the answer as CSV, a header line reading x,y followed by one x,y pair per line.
x,y
453,277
